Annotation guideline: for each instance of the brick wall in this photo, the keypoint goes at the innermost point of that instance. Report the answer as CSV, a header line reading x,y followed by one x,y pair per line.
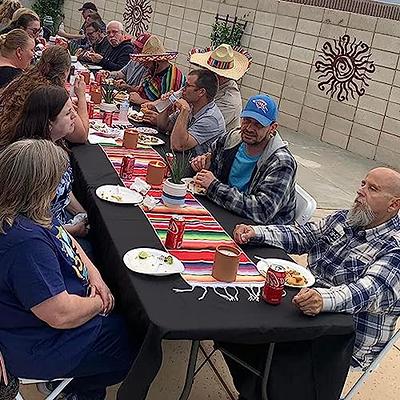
x,y
285,40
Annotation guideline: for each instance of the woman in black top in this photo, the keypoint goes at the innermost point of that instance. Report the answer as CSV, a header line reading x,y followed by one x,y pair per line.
x,y
16,53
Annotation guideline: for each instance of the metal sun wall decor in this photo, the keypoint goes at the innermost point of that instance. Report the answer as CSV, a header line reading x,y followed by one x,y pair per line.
x,y
344,68
137,16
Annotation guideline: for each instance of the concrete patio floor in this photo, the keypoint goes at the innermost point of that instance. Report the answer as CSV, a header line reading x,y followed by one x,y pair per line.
x,y
331,175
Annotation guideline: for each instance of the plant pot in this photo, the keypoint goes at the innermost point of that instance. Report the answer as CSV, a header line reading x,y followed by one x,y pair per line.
x,y
173,194
74,59
108,107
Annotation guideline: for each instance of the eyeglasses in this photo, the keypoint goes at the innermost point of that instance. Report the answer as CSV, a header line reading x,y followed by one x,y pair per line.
x,y
35,31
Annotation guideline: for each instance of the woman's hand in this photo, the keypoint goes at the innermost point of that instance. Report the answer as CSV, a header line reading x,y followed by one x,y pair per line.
x,y
102,290
79,229
80,87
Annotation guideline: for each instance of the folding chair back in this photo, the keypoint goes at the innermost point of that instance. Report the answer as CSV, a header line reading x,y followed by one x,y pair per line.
x,y
305,205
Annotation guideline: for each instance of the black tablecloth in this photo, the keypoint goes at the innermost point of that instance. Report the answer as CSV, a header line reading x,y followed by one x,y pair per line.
x,y
155,312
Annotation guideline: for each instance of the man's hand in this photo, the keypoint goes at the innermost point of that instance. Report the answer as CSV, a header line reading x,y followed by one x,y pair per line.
x,y
103,291
79,87
94,57
150,116
309,301
201,162
182,105
120,84
135,98
242,234
204,178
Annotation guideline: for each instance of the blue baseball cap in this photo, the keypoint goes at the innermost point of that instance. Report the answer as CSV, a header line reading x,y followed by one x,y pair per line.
x,y
261,108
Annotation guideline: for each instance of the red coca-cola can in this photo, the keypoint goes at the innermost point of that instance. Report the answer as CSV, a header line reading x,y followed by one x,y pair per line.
x,y
176,228
99,77
90,109
108,118
274,282
127,167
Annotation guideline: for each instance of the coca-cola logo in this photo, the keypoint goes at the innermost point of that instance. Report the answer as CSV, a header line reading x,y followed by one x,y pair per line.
x,y
173,227
275,281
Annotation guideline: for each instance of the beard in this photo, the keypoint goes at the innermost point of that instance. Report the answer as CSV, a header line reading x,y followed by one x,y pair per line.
x,y
360,216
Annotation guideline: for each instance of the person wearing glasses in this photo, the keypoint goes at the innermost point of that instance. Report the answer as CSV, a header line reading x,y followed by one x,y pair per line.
x,y
97,42
250,171
194,120
26,20
117,55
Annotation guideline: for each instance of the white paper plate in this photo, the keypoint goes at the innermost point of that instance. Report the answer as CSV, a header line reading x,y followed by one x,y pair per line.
x,y
262,267
146,130
149,140
93,66
154,264
191,187
118,194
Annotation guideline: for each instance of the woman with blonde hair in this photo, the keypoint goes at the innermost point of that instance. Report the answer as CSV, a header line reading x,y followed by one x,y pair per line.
x,y
16,54
52,69
53,301
24,19
7,9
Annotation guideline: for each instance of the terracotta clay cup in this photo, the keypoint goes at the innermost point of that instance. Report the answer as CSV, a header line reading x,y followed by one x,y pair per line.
x,y
131,137
155,172
226,263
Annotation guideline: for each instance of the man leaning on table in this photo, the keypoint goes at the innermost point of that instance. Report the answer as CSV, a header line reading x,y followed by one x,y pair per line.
x,y
250,171
355,257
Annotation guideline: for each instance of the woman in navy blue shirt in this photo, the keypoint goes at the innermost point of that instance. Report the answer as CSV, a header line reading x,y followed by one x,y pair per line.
x,y
53,301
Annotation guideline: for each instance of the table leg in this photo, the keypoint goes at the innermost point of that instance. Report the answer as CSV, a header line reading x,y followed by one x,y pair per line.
x,y
190,372
267,370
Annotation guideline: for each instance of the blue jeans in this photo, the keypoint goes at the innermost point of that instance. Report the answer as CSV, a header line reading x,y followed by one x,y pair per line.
x,y
106,364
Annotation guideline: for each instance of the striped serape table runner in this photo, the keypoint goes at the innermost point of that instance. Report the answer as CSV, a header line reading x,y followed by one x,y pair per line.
x,y
202,235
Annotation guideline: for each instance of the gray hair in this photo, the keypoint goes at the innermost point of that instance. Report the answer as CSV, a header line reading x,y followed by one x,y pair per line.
x,y
119,24
30,171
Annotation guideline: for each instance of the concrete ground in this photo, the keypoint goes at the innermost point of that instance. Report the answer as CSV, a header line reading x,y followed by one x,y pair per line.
x,y
331,175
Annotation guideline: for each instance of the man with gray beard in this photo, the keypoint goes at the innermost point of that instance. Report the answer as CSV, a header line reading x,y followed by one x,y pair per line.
x,y
355,257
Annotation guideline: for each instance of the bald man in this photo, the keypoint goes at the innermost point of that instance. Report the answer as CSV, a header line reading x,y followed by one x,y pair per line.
x,y
355,257
116,56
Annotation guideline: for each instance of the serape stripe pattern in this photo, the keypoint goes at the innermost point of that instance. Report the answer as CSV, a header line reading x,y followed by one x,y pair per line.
x,y
202,234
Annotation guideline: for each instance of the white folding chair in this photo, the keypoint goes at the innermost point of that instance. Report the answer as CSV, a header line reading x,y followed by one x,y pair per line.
x,y
374,365
305,205
64,382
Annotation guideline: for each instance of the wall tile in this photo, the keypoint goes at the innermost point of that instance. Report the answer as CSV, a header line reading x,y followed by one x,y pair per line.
x,y
365,133
386,42
202,41
273,88
283,35
256,70
342,109
290,107
293,94
395,95
359,21
299,68
372,104
207,19
338,124
285,22
389,141
303,55
384,58
262,31
360,147
270,6
378,89
174,22
160,19
393,110
310,27
194,4
277,62
391,125
316,102
264,18
288,121
296,82
257,43
176,11
336,17
188,38
291,9
158,30
330,31
365,36
252,82
391,29
307,41
274,75
259,57
313,13
210,6
204,30
162,8
190,26
311,129
226,9
191,15
314,116
369,118
335,138
383,74
280,49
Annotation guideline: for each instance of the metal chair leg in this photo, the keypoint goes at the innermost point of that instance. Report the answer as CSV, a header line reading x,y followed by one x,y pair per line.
x,y
190,370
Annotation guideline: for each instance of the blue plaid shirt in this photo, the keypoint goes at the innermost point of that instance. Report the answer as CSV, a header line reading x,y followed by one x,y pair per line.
x,y
357,271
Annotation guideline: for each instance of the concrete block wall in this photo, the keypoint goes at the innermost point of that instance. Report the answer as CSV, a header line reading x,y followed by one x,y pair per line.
x,y
286,40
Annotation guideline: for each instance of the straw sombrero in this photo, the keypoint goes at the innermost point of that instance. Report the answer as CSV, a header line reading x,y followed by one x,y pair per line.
x,y
153,50
225,61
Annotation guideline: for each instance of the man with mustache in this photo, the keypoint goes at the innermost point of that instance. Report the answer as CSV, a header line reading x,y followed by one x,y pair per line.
x,y
250,171
355,257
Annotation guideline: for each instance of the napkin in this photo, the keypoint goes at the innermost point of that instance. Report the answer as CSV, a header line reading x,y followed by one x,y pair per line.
x,y
150,202
140,186
94,139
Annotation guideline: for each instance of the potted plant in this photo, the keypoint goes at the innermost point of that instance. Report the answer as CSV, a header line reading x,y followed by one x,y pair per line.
x,y
174,188
73,48
107,90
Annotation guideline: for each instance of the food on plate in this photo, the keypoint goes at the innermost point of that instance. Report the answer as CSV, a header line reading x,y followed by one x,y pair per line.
x,y
99,126
147,139
197,189
136,115
169,260
295,278
143,255
121,96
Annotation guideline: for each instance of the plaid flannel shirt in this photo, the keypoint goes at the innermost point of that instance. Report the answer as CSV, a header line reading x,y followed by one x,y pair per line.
x,y
357,271
270,197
